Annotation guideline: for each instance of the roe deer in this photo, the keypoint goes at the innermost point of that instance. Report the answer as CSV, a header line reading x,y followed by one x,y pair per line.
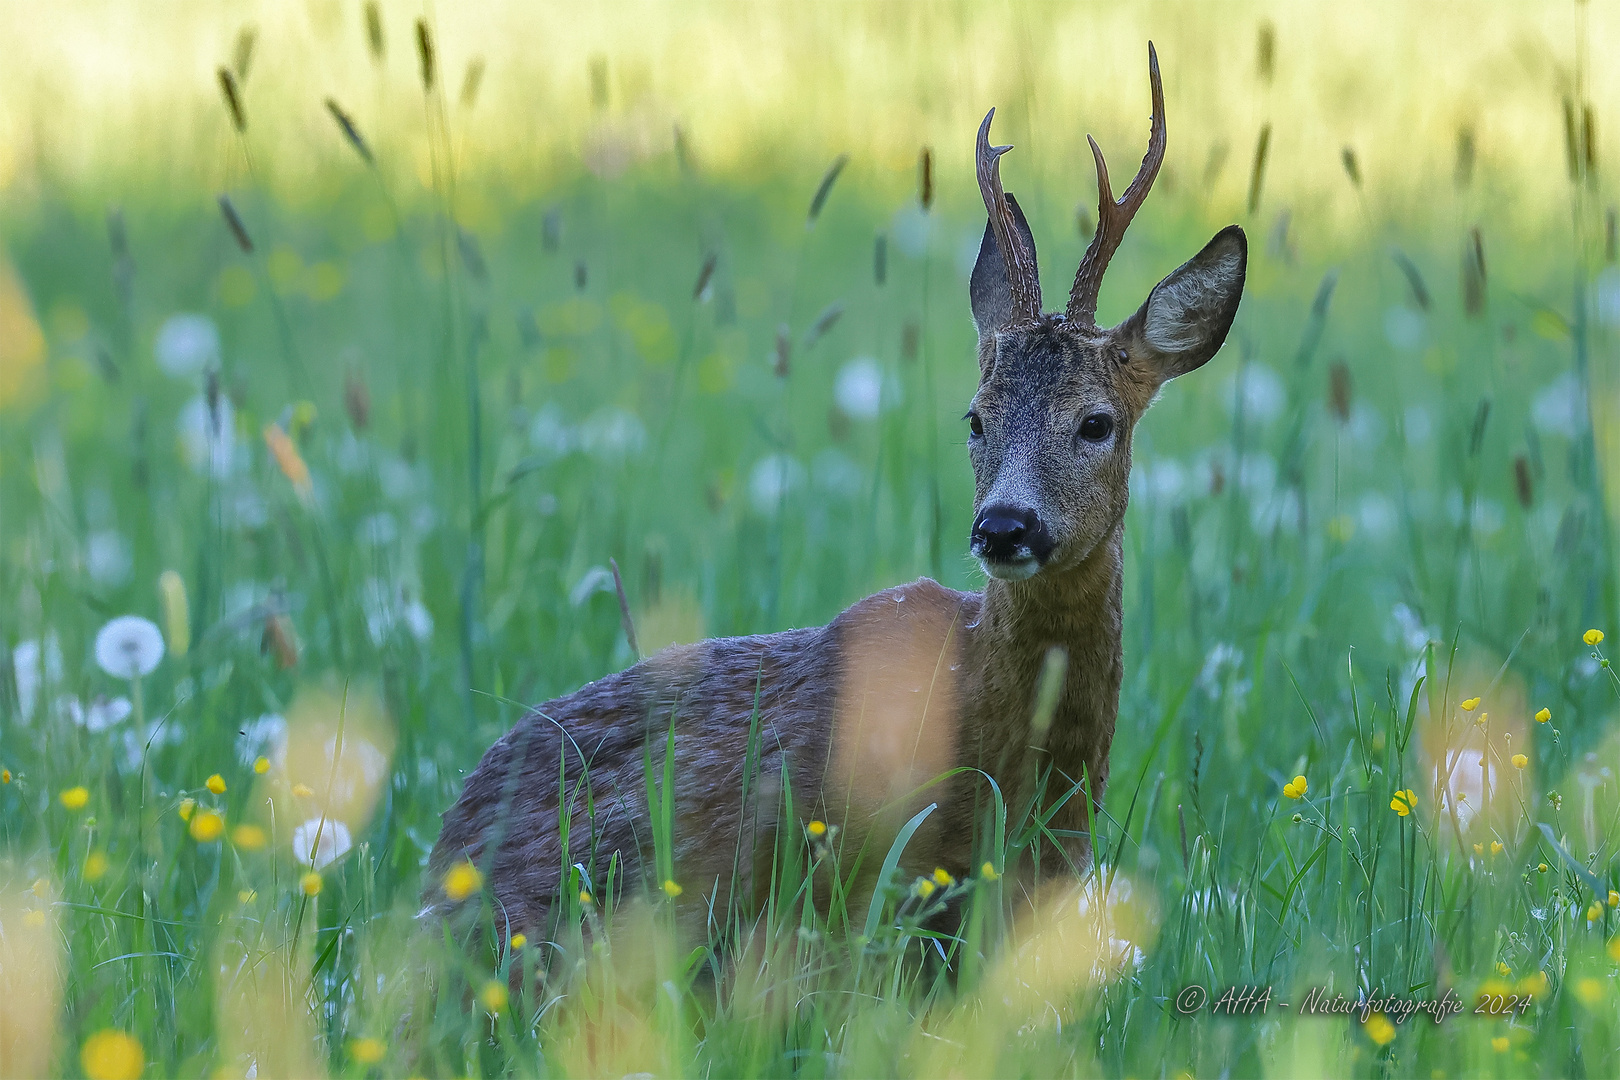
x,y
904,687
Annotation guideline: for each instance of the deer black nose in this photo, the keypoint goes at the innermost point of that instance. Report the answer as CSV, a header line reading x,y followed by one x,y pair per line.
x,y
1010,534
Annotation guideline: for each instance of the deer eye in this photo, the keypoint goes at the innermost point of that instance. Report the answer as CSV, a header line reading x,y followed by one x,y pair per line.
x,y
1096,427
975,425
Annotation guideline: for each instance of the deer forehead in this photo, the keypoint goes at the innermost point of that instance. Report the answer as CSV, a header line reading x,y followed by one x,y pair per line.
x,y
1054,372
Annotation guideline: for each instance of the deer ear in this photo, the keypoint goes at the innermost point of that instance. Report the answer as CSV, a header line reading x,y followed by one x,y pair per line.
x,y
988,291
1186,316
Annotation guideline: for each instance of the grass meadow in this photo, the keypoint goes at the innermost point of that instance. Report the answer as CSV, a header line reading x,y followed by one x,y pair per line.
x,y
344,346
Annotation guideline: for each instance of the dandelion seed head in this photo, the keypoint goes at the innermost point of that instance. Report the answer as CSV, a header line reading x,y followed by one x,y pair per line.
x,y
319,842
129,647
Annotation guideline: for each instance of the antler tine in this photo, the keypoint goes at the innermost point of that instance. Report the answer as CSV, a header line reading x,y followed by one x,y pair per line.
x,y
1113,218
1019,262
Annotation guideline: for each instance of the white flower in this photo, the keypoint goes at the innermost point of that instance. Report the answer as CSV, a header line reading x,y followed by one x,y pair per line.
x,y
1560,407
186,344
773,477
388,606
612,434
107,557
319,842
550,434
37,667
104,712
1258,391
129,647
859,389
208,438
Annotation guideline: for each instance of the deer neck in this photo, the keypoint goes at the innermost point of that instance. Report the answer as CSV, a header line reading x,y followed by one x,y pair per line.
x,y
1077,609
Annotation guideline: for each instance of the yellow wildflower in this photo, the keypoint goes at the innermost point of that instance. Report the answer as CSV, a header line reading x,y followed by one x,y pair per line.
x,y
1593,637
1543,715
1613,948
75,798
1499,1043
1404,802
1470,704
367,1051
207,826
585,897
216,784
248,837
1295,788
5,776
1379,1029
187,805
671,889
1496,847
1520,761
493,997
261,765
462,880
1595,912
302,791
34,919
1614,898
310,883
943,879
1479,849
112,1055
923,888
246,896
1541,868
518,941
1483,718
816,829
42,888
95,866
1502,969
988,872
1532,985
1589,991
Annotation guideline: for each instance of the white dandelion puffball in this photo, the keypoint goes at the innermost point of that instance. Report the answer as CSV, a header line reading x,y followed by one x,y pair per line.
x,y
186,344
332,844
859,389
129,647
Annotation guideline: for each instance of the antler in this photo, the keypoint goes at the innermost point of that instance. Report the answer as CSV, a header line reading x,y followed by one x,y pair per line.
x,y
1019,261
1114,217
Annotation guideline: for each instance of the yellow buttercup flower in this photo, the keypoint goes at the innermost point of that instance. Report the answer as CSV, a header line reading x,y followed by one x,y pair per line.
x,y
310,883
518,941
493,997
1404,802
943,879
249,837
303,791
988,872
1532,985
367,1051
1499,1043
216,784
1496,847
816,829
1589,991
1595,912
1470,704
1613,948
95,866
671,889
585,897
112,1055
1479,849
1593,637
923,888
1379,1029
207,826
75,798
1296,788
187,805
1503,970
1520,761
462,880
1543,715
1614,898
261,765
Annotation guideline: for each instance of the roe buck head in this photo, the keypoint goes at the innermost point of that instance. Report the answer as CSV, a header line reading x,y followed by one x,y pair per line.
x,y
1059,396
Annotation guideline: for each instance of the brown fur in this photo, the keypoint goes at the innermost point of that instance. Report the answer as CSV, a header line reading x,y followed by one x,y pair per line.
x,y
863,715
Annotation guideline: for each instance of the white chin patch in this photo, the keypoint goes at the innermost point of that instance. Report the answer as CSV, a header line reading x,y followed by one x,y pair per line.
x,y
1011,571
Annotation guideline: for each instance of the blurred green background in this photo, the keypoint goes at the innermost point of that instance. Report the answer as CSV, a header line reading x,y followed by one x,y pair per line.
x,y
565,292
